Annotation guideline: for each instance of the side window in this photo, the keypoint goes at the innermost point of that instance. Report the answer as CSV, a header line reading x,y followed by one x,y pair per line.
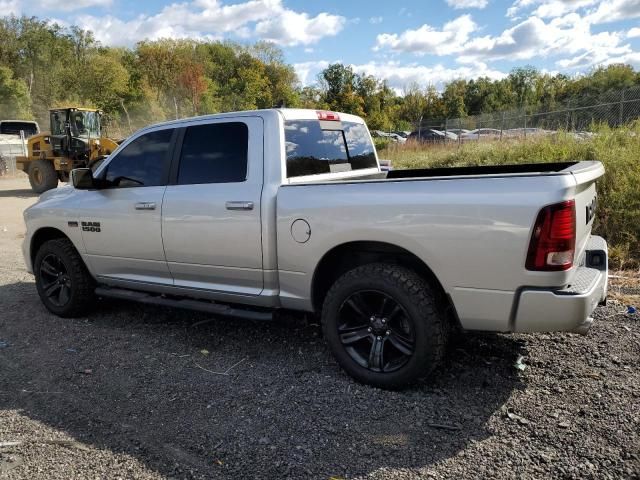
x,y
142,163
214,153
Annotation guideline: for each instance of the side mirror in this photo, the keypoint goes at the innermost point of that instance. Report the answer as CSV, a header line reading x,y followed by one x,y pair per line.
x,y
82,178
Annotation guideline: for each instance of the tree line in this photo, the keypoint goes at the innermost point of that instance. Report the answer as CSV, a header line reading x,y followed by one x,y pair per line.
x,y
44,65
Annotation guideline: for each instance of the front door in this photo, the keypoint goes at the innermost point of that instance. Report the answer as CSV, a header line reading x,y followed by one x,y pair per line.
x,y
121,222
211,212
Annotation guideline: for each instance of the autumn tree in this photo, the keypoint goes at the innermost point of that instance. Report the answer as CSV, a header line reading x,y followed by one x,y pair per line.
x,y
193,81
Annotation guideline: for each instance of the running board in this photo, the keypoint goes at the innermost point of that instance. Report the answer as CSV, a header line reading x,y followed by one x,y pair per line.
x,y
189,304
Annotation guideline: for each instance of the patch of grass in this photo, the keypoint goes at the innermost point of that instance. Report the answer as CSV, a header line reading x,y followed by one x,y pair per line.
x,y
618,215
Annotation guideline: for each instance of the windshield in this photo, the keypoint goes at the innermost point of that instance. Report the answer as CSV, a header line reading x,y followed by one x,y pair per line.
x,y
312,149
85,124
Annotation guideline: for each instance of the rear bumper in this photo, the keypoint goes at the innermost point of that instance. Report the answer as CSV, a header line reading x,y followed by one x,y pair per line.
x,y
567,309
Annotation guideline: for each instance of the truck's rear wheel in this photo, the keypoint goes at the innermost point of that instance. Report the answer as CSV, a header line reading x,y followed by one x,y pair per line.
x,y
65,286
384,325
42,176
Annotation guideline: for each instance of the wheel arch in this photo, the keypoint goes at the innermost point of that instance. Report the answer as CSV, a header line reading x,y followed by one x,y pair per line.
x,y
43,235
349,255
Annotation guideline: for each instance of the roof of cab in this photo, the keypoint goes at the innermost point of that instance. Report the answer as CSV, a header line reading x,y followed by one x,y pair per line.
x,y
287,114
312,114
79,109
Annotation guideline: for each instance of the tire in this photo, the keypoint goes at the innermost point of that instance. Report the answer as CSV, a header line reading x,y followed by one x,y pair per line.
x,y
59,268
42,176
376,341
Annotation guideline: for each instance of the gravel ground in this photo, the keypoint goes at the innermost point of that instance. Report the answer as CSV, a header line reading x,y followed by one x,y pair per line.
x,y
140,392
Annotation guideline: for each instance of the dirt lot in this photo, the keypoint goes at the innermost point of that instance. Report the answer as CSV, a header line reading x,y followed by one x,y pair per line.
x,y
139,392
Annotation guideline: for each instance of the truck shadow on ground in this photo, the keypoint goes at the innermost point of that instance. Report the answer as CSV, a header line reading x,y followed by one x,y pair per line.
x,y
21,193
193,396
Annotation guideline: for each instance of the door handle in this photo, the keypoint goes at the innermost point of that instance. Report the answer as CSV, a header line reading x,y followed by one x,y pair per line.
x,y
146,206
239,205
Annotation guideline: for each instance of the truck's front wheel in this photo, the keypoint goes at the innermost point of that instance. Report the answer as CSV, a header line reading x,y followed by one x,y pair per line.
x,y
42,176
384,325
65,286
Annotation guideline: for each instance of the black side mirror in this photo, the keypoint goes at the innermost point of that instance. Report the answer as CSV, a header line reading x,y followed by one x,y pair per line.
x,y
82,178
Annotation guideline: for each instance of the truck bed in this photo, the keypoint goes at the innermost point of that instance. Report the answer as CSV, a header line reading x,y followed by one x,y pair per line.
x,y
481,170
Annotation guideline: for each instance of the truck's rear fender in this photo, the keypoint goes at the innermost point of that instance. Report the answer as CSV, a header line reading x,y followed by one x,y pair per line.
x,y
347,256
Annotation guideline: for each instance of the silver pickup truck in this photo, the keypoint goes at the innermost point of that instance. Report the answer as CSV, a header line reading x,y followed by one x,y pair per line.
x,y
243,214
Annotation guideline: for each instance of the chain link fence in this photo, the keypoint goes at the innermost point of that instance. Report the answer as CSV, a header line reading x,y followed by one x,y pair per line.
x,y
577,115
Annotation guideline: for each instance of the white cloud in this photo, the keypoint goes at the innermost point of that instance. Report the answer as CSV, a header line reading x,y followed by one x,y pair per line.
x,y
307,71
633,33
548,8
568,38
594,11
615,11
590,59
569,35
17,7
292,28
10,7
268,19
70,5
399,75
427,39
375,20
461,4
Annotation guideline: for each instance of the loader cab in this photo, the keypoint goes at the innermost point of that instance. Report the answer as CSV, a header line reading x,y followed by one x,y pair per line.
x,y
71,131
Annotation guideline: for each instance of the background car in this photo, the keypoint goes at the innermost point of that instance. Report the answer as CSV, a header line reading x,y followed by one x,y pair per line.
x,y
431,135
481,134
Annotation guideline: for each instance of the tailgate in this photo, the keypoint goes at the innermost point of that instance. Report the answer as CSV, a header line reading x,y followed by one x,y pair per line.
x,y
585,174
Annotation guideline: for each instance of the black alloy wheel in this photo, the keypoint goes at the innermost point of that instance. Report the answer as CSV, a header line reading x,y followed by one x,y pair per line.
x,y
385,325
376,331
56,282
64,284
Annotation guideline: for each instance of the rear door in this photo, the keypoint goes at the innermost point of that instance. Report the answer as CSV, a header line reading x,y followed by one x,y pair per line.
x,y
121,223
211,224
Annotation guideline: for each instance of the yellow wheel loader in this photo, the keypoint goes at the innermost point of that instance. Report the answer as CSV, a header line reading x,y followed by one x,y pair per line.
x,y
74,140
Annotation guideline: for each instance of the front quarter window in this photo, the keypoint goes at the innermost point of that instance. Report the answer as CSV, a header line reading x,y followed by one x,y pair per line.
x,y
142,163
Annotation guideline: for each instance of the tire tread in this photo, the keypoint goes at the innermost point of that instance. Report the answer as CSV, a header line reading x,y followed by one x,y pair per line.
x,y
421,294
82,281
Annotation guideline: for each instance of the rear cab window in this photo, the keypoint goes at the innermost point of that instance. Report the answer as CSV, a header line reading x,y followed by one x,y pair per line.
x,y
10,127
316,147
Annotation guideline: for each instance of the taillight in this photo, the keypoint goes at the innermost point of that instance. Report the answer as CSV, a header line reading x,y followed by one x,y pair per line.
x,y
330,116
553,242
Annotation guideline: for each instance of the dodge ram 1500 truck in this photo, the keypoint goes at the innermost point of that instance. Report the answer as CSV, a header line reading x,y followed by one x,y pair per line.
x,y
242,214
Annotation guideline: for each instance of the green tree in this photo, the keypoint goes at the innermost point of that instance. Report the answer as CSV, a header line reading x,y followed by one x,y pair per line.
x,y
104,82
523,83
14,96
453,99
338,83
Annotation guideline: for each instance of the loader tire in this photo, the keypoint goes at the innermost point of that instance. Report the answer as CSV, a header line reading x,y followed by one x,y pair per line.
x,y
42,176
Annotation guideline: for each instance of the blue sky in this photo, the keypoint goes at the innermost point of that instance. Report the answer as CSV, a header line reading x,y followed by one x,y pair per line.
x,y
405,41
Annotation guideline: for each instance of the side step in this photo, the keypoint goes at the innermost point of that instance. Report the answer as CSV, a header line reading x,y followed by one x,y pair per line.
x,y
189,304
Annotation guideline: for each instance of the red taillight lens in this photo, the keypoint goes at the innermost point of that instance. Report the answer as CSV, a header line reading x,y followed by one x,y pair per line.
x,y
328,116
553,241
